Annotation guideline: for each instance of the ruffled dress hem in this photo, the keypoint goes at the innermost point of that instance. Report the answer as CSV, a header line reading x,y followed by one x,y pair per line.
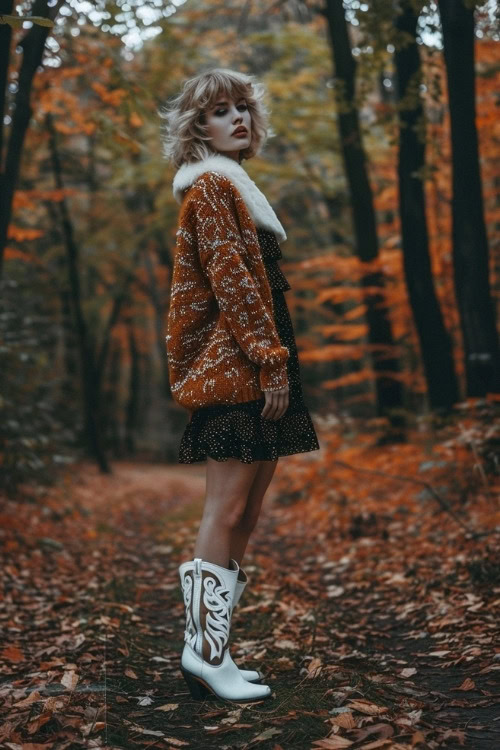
x,y
243,433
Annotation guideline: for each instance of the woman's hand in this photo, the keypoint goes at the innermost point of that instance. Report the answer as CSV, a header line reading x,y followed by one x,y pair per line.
x,y
276,403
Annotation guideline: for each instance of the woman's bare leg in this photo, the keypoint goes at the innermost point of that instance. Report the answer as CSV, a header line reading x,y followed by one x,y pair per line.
x,y
241,532
227,488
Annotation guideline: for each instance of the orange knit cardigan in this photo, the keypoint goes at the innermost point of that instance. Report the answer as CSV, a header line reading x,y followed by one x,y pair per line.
x,y
222,342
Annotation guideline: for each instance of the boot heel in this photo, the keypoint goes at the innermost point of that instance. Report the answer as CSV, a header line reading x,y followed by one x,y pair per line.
x,y
198,690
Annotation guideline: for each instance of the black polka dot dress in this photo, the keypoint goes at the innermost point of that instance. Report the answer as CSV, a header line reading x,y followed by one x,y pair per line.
x,y
239,431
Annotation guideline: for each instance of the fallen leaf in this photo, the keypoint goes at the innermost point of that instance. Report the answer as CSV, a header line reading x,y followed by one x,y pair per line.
x,y
408,672
314,667
332,743
167,707
285,644
32,697
467,684
12,653
266,735
70,680
366,707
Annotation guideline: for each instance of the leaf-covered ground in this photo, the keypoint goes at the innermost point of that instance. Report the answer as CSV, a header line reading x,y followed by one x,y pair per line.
x,y
373,603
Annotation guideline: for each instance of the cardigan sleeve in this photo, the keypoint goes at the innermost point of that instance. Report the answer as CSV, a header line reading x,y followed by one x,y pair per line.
x,y
221,251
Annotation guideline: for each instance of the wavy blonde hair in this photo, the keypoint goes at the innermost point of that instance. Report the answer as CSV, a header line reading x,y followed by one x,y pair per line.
x,y
185,137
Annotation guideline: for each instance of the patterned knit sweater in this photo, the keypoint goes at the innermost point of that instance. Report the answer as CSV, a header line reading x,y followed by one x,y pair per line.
x,y
222,342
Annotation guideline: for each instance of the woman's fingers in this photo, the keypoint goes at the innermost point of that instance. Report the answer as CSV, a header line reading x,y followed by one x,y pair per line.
x,y
276,404
283,405
269,407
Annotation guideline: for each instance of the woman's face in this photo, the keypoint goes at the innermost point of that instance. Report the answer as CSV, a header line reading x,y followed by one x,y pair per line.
x,y
229,125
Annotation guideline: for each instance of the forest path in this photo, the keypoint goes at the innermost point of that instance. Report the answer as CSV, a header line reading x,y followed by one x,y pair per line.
x,y
360,639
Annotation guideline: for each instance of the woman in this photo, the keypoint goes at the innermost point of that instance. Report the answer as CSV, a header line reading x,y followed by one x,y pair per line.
x,y
232,356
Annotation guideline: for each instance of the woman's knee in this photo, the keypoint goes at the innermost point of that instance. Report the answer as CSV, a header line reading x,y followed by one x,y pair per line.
x,y
225,511
228,486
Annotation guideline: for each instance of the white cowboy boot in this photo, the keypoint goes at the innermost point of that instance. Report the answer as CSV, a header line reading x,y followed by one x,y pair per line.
x,y
206,663
249,674
240,587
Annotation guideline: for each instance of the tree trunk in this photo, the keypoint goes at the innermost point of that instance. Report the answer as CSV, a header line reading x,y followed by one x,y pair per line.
x,y
110,409
6,7
33,45
132,411
434,339
470,245
386,366
89,374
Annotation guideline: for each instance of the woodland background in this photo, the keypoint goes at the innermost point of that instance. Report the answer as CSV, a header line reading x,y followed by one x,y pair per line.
x,y
383,168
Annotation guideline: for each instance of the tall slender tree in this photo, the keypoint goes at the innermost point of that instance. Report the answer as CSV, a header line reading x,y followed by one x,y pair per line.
x,y
470,245
33,45
434,339
90,372
389,389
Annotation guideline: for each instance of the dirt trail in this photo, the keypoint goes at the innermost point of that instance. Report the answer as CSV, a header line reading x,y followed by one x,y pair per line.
x,y
95,623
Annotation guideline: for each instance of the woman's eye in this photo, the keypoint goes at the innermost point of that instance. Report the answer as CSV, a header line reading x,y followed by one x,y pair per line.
x,y
221,112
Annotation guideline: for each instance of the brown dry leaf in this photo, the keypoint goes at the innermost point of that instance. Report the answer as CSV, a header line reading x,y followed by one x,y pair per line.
x,y
12,653
32,697
141,730
260,654
417,738
35,725
314,667
383,731
286,644
175,742
56,702
332,743
456,733
167,707
365,707
408,672
70,680
232,717
345,720
130,673
284,663
467,684
266,734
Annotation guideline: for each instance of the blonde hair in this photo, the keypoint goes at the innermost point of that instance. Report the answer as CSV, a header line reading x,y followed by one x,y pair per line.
x,y
185,137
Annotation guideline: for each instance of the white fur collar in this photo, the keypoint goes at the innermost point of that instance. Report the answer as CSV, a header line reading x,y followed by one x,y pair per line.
x,y
256,202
